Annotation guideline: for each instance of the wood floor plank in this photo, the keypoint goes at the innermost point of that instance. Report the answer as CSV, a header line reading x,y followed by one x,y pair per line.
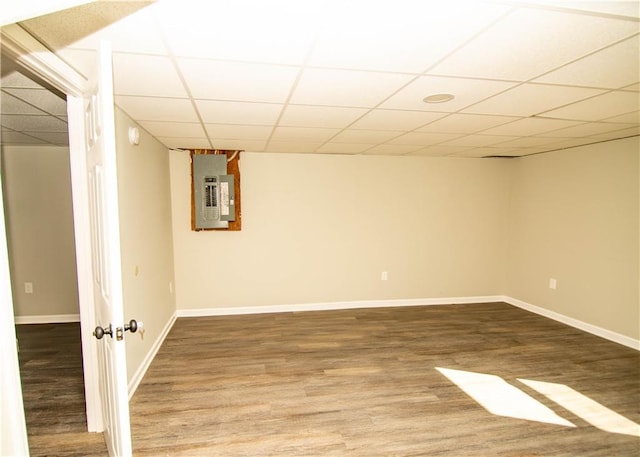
x,y
364,383
351,383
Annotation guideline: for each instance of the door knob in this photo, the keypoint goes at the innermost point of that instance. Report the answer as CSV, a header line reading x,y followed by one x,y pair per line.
x,y
132,326
100,332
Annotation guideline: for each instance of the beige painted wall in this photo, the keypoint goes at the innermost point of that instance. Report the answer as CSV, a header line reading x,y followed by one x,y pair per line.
x,y
145,236
321,228
37,186
575,218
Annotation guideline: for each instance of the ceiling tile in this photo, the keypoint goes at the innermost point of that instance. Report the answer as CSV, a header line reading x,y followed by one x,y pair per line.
x,y
319,116
634,87
586,129
603,106
392,149
57,138
243,113
178,129
230,131
423,139
255,32
303,133
293,146
239,144
13,105
157,109
10,137
403,121
346,88
433,29
630,131
628,118
135,74
343,148
466,92
365,136
476,141
136,33
17,79
530,42
614,67
466,123
27,123
440,150
530,126
185,142
42,98
214,80
526,142
531,99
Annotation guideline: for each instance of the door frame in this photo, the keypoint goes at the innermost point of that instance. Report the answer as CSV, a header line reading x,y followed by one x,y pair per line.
x,y
30,54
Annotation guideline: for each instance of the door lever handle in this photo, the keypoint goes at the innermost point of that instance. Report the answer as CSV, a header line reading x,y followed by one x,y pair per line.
x,y
100,332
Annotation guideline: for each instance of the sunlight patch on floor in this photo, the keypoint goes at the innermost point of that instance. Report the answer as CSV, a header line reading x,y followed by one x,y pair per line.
x,y
501,398
590,410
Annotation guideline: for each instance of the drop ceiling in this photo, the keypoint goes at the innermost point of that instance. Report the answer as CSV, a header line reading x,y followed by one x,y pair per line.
x,y
349,77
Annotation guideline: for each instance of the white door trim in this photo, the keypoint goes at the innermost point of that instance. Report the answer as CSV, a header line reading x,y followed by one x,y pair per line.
x,y
25,50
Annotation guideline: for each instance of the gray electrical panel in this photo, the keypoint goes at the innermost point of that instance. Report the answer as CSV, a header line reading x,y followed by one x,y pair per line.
x,y
213,191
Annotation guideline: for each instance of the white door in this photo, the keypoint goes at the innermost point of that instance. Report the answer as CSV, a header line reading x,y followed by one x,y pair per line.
x,y
13,430
105,244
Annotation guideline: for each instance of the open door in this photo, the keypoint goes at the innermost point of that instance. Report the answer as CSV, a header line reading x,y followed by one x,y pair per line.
x,y
101,176
13,430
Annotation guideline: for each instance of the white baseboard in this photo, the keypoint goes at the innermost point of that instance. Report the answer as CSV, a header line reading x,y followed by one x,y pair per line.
x,y
329,306
589,328
48,319
144,366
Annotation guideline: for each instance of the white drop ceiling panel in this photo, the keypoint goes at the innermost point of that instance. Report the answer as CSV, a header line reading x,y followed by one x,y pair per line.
x,y
595,71
135,74
586,129
350,77
532,99
293,146
530,42
215,112
303,133
466,92
476,141
631,131
603,106
466,123
433,29
346,88
365,136
530,126
231,131
213,80
320,116
403,121
423,139
157,109
12,105
17,138
41,98
28,123
393,149
343,148
164,129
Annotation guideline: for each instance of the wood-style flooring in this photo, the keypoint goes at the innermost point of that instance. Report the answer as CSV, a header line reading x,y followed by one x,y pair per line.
x,y
365,383
50,357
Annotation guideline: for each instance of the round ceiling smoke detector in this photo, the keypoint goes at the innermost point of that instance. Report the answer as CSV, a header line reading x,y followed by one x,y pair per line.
x,y
438,98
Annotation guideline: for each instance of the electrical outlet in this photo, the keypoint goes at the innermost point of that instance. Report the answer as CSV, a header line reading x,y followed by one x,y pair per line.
x,y
553,284
28,287
384,276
